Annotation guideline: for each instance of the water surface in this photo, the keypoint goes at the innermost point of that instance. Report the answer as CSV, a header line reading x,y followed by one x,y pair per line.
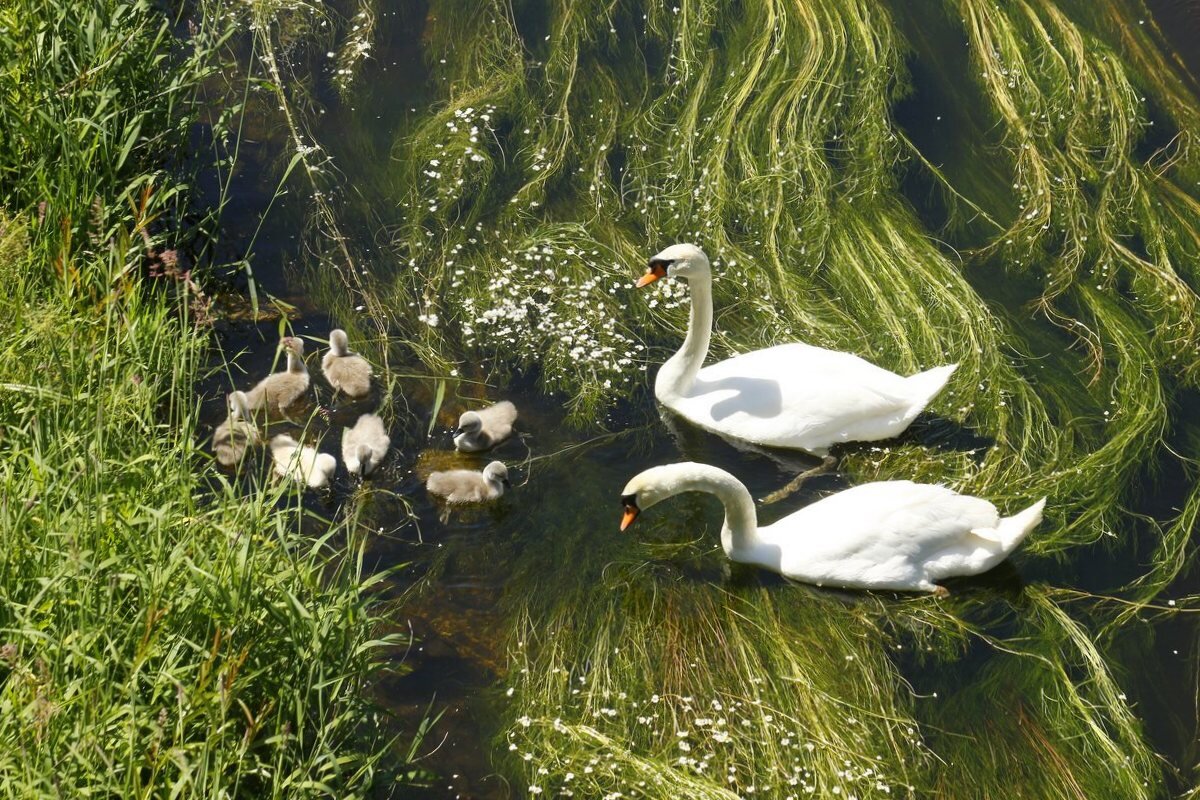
x,y
547,640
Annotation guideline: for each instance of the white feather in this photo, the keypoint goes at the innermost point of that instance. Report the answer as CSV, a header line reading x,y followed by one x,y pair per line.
x,y
792,395
301,463
365,445
882,535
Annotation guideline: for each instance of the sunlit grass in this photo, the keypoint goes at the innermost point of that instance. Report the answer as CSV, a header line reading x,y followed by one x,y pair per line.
x,y
161,633
152,638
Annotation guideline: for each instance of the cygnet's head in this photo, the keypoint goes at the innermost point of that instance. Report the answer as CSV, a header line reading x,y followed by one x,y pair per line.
x,y
470,423
496,471
645,490
360,460
678,261
293,344
239,405
339,343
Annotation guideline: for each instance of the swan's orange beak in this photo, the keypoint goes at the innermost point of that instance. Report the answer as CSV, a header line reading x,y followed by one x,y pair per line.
x,y
630,515
655,271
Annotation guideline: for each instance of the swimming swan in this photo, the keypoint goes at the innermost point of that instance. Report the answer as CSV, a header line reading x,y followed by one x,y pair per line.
x,y
884,535
485,428
468,486
791,395
346,371
301,463
277,392
233,437
364,445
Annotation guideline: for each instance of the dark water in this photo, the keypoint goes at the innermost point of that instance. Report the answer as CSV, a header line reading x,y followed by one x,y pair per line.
x,y
1179,23
451,592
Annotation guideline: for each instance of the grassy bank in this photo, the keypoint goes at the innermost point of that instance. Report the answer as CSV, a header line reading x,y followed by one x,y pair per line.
x,y
159,634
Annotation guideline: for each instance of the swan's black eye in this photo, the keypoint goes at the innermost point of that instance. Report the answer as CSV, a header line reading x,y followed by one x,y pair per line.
x,y
660,263
629,500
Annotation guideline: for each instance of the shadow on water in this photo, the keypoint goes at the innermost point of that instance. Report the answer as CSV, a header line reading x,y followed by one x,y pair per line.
x,y
940,433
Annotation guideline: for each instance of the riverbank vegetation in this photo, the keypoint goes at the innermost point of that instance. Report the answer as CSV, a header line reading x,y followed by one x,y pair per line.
x,y
160,632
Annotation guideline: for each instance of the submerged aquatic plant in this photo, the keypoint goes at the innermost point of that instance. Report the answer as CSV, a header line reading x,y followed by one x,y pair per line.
x,y
557,144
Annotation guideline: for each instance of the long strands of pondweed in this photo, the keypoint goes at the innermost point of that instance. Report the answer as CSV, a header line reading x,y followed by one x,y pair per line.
x,y
634,658
1107,229
564,143
279,26
716,689
1063,727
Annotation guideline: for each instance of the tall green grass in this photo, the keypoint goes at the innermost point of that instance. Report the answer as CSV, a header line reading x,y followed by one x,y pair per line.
x,y
161,634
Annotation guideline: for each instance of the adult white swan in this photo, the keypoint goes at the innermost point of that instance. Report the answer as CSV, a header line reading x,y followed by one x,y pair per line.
x,y
791,395
884,535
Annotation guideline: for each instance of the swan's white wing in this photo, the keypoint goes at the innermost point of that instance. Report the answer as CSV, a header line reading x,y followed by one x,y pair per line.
x,y
797,395
798,356
883,534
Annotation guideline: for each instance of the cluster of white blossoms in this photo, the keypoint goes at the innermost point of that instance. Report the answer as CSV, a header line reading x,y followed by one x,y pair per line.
x,y
460,158
709,739
534,308
545,300
355,50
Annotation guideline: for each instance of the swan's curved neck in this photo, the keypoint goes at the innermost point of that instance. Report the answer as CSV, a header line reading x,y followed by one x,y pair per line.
x,y
739,534
679,372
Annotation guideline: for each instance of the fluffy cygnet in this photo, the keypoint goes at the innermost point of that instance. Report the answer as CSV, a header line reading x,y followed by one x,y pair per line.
x,y
468,486
485,428
277,392
236,434
364,445
346,371
302,463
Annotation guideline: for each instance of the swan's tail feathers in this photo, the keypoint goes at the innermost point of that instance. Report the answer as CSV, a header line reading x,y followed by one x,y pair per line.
x,y
924,386
1011,531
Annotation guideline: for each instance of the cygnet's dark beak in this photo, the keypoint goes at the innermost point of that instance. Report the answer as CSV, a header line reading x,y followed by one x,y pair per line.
x,y
457,431
506,482
656,270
